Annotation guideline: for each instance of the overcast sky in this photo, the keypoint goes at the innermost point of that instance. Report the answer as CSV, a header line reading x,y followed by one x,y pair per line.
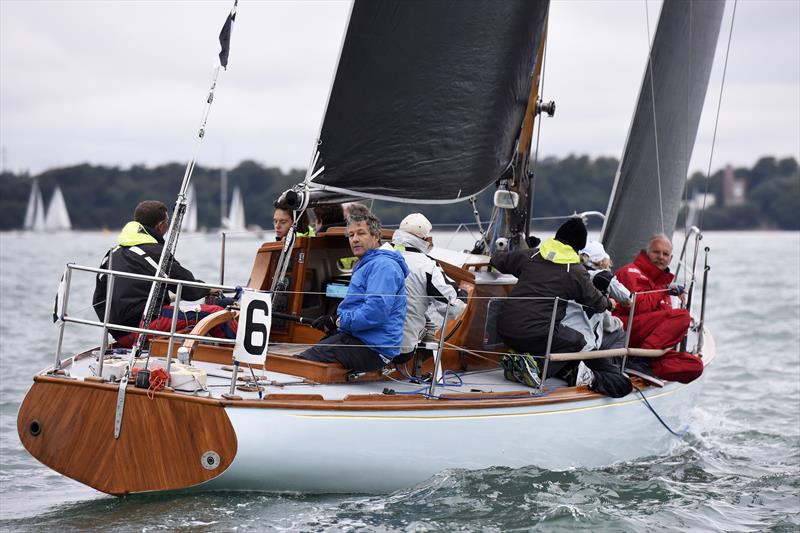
x,y
124,82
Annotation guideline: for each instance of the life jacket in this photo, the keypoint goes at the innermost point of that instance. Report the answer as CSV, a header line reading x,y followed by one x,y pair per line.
x,y
559,253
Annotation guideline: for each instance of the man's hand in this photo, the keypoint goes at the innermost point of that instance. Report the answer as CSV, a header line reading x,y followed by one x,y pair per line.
x,y
679,291
676,290
325,324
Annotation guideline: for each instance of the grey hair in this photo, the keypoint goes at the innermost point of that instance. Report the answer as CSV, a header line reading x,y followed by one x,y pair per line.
x,y
360,213
658,237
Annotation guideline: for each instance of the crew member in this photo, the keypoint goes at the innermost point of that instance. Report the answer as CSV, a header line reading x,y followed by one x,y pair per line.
x,y
368,328
283,218
656,324
554,270
425,283
139,249
328,216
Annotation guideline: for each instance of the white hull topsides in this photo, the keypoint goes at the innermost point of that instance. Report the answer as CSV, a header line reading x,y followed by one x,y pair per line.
x,y
357,451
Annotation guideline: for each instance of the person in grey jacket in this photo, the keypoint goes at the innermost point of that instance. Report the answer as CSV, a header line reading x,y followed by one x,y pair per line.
x,y
425,284
555,270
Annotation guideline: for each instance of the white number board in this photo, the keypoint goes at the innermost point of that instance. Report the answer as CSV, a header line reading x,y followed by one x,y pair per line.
x,y
254,323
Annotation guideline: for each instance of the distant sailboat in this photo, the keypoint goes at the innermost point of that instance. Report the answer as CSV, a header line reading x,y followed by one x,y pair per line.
x,y
190,217
34,214
57,217
235,220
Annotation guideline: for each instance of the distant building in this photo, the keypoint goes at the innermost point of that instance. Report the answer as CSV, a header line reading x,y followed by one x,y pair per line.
x,y
733,188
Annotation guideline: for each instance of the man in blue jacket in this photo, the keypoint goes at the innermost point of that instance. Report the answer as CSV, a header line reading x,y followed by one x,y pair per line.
x,y
368,328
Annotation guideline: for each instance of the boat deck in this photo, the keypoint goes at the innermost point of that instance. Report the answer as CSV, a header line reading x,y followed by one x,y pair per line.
x,y
219,379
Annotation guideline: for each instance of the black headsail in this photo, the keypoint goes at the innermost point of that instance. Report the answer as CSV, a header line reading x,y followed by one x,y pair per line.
x,y
428,98
652,174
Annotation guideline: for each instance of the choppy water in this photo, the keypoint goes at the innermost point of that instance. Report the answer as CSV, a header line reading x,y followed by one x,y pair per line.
x,y
737,470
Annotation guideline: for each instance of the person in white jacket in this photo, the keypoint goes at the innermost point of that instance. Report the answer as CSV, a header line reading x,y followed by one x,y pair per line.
x,y
427,289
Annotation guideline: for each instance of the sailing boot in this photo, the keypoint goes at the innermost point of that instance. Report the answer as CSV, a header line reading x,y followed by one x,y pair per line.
x,y
526,370
507,362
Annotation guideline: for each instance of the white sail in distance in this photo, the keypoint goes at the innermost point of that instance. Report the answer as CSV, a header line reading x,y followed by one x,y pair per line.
x,y
57,217
34,214
190,217
235,220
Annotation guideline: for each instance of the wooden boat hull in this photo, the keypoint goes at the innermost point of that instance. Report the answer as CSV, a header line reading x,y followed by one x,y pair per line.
x,y
68,425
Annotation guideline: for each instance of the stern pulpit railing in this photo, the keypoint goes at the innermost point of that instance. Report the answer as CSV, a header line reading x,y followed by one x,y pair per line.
x,y
107,325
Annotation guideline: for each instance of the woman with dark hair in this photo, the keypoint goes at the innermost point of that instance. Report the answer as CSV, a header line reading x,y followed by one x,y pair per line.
x,y
328,216
283,218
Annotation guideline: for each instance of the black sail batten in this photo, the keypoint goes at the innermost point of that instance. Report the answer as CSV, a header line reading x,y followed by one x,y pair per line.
x,y
428,98
682,55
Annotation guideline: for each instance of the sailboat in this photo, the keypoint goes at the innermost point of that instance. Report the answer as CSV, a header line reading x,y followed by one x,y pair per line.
x,y
34,213
57,218
429,129
235,221
190,218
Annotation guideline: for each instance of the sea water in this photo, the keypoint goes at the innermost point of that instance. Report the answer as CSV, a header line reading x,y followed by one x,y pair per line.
x,y
738,469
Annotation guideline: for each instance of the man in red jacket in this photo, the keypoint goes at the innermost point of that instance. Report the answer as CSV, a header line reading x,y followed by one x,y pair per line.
x,y
656,324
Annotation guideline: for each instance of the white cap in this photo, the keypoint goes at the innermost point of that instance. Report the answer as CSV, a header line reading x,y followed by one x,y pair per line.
x,y
595,251
417,224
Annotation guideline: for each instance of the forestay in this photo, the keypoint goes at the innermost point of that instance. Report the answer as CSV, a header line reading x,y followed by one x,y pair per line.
x,y
428,98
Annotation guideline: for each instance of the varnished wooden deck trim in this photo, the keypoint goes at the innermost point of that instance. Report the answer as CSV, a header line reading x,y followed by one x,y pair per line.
x,y
361,402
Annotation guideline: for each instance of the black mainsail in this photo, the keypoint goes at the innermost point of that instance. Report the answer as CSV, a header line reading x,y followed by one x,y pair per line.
x,y
652,174
428,98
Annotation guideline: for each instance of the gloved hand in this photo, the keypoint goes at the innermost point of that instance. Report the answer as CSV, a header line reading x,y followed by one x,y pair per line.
x,y
602,280
675,289
461,294
325,324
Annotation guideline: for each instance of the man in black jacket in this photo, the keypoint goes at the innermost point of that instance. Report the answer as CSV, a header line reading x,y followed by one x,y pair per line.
x,y
140,244
554,270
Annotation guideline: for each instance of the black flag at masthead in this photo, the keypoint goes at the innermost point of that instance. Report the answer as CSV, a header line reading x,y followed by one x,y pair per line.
x,y
225,36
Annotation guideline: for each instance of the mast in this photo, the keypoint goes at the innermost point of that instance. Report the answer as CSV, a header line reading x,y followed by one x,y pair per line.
x,y
651,177
515,223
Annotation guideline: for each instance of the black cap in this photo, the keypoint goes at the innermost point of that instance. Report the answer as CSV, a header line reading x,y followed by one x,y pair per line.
x,y
573,232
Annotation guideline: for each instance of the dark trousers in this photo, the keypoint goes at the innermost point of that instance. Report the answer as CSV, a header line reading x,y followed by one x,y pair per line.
x,y
346,350
566,339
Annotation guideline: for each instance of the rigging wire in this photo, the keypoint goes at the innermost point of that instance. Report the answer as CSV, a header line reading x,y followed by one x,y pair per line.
x,y
655,122
679,434
716,118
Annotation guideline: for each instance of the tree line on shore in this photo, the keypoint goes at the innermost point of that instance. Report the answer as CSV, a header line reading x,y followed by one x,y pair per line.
x,y
104,197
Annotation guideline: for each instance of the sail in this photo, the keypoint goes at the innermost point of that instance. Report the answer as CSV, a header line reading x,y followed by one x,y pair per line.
x,y
57,217
428,98
235,220
189,223
647,190
34,213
